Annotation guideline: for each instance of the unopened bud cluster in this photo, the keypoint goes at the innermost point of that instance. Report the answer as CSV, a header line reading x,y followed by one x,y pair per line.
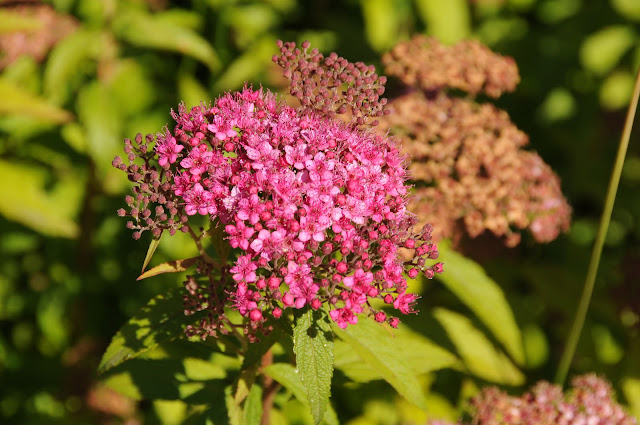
x,y
313,211
153,205
468,163
333,85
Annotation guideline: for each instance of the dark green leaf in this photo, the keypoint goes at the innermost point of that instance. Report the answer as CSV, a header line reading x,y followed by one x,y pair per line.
x,y
160,320
377,346
469,282
479,354
313,346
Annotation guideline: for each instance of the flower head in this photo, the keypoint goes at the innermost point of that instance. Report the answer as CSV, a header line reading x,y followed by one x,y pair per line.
x,y
314,209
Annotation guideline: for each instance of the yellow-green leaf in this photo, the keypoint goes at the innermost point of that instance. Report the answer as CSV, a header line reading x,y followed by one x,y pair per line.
x,y
469,282
376,345
449,20
478,353
150,251
602,50
155,32
16,22
169,267
24,199
16,101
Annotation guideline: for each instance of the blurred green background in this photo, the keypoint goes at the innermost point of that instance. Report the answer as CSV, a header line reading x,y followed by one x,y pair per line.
x,y
78,76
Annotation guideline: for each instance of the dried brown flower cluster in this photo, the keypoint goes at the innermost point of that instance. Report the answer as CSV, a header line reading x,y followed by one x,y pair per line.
x,y
469,66
332,85
468,164
590,401
35,42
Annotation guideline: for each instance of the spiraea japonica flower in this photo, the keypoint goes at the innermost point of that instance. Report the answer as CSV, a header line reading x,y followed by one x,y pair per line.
x,y
312,211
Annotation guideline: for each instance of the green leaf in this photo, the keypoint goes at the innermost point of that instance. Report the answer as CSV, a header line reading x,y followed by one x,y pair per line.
x,y
68,58
159,32
449,20
469,282
169,267
377,346
253,406
289,378
150,251
381,18
101,115
313,346
479,354
631,391
246,66
162,319
17,22
24,199
175,370
238,393
602,50
616,90
628,8
424,357
16,101
163,379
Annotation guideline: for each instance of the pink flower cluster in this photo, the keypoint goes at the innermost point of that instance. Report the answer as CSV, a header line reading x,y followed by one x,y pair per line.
x,y
314,209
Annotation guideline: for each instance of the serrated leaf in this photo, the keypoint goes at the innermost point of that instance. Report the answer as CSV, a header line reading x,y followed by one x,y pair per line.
x,y
424,356
23,199
150,251
162,319
478,353
170,267
313,346
289,378
153,31
469,282
14,101
377,346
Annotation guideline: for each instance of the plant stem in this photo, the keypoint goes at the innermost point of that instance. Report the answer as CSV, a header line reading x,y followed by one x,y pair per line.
x,y
592,271
270,390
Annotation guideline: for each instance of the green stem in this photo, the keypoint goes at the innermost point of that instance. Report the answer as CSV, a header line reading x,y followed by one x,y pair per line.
x,y
585,299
